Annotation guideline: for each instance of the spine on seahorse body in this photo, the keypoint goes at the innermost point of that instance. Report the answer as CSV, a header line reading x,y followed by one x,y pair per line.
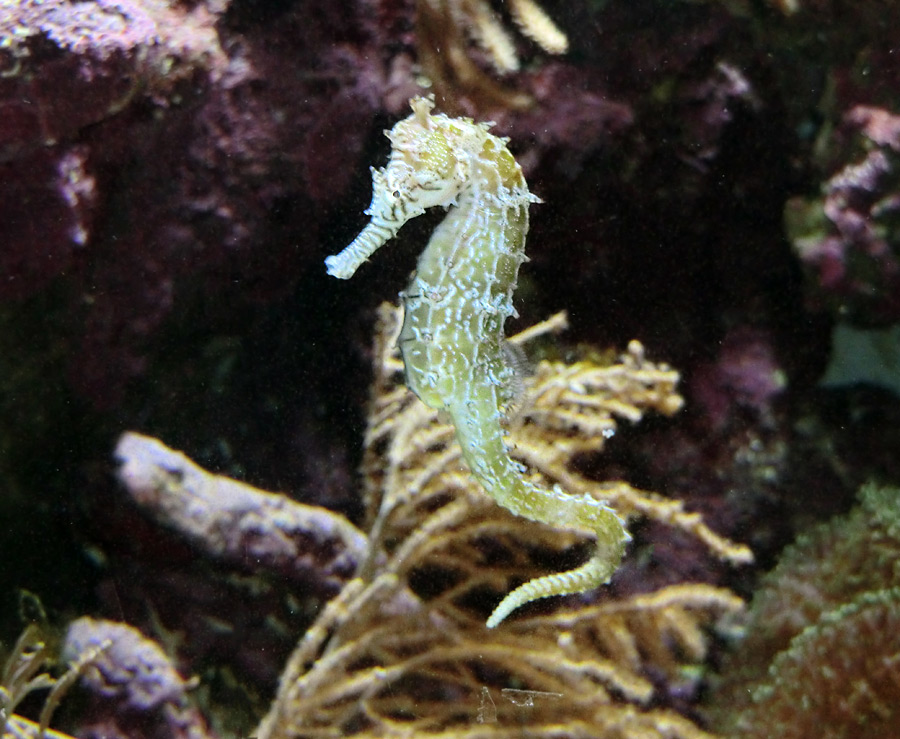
x,y
455,308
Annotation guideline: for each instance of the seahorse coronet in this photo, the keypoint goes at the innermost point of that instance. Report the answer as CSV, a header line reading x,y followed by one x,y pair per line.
x,y
452,338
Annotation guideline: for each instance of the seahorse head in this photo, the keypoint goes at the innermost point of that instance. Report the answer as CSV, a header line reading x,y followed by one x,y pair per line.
x,y
433,160
425,169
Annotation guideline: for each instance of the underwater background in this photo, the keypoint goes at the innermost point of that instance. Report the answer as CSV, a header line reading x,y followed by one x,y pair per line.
x,y
720,183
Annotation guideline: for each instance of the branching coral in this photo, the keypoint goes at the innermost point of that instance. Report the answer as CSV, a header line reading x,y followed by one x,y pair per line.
x,y
443,28
403,649
22,675
22,728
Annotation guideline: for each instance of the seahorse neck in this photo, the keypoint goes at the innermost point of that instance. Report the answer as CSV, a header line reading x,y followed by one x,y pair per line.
x,y
471,229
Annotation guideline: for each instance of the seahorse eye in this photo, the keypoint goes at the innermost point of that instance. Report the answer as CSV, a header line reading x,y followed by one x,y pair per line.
x,y
396,194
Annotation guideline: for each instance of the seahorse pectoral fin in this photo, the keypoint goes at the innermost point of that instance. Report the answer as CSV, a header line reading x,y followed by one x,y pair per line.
x,y
512,387
374,235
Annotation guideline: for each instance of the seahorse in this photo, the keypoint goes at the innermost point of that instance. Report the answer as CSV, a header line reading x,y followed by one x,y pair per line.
x,y
455,307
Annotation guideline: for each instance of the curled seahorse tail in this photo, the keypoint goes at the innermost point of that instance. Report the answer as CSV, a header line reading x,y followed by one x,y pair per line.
x,y
554,507
596,571
373,236
481,439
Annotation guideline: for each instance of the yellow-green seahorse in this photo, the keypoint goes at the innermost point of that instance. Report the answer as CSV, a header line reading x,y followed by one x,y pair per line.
x,y
452,339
